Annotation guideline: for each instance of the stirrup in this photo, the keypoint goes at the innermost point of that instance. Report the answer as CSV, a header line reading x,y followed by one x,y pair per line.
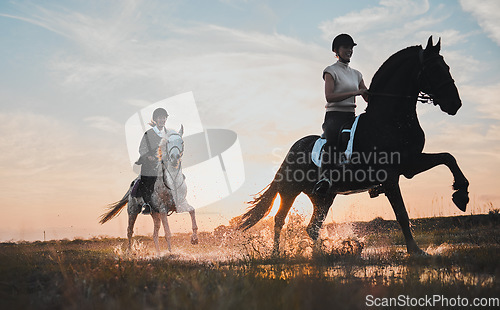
x,y
147,209
171,211
322,186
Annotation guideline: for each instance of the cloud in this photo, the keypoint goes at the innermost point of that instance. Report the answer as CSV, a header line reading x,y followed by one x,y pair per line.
x,y
104,123
36,22
43,144
257,84
267,87
377,36
49,167
229,70
487,14
381,17
138,102
484,98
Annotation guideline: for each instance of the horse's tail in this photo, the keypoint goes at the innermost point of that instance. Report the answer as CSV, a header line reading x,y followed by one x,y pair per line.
x,y
116,208
260,206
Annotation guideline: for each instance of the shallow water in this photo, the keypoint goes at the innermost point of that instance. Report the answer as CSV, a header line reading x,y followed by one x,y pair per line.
x,y
376,265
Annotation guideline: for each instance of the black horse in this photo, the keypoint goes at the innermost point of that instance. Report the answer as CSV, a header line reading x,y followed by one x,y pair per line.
x,y
388,143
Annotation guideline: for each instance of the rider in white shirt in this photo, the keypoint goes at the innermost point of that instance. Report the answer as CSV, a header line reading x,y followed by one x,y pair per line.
x,y
148,159
342,85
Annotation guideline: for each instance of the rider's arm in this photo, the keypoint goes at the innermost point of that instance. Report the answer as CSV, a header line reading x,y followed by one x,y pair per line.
x,y
363,89
336,97
144,146
144,149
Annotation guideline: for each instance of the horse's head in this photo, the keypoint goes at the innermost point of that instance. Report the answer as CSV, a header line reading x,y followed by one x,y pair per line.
x,y
172,147
436,80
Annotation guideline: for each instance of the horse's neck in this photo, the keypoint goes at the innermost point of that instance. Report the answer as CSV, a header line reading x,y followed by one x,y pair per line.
x,y
395,90
175,174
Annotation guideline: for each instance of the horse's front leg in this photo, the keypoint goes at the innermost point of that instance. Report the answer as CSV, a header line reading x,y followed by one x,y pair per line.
x,y
393,193
194,236
424,162
166,228
156,230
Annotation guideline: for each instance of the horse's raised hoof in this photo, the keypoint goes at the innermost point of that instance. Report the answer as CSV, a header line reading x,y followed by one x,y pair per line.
x,y
461,198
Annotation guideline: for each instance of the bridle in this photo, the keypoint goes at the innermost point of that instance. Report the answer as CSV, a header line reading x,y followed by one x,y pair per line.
x,y
432,87
422,96
169,150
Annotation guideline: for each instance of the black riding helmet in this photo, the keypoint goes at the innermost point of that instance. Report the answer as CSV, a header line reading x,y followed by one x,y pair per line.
x,y
159,113
342,40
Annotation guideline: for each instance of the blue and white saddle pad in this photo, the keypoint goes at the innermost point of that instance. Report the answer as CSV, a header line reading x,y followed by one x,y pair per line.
x,y
320,143
317,151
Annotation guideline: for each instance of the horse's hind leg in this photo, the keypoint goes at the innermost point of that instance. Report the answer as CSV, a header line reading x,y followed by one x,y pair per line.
x,y
393,193
287,200
321,206
156,230
194,236
130,229
425,162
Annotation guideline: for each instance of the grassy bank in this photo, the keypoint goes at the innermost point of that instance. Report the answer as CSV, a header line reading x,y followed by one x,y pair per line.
x,y
228,270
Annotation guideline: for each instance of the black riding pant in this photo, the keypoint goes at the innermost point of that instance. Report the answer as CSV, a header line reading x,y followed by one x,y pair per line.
x,y
146,188
334,121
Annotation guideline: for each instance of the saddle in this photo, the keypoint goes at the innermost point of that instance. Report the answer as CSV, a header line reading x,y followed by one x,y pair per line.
x,y
136,193
345,142
135,187
344,136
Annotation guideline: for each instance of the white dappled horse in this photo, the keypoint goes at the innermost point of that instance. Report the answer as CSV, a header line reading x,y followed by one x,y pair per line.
x,y
169,193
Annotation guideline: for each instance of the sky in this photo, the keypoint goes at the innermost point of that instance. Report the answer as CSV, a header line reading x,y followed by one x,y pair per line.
x,y
73,72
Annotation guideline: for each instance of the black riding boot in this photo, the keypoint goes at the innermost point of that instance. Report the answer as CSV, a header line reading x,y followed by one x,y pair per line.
x,y
147,188
322,187
331,128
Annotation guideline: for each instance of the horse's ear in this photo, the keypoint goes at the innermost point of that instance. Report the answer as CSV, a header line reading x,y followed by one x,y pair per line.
x,y
438,45
429,43
181,131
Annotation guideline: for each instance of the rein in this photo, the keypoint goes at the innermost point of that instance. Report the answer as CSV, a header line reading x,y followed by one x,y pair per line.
x,y
422,97
173,179
388,95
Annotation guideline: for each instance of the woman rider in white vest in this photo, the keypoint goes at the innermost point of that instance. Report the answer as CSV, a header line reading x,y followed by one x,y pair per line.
x,y
342,85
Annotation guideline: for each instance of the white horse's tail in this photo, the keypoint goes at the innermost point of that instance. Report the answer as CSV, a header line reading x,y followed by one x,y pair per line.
x,y
116,208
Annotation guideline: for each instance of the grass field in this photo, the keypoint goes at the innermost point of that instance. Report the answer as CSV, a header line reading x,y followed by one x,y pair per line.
x,y
353,265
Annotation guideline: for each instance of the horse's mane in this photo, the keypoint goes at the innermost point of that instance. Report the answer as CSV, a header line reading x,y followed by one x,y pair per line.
x,y
389,65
